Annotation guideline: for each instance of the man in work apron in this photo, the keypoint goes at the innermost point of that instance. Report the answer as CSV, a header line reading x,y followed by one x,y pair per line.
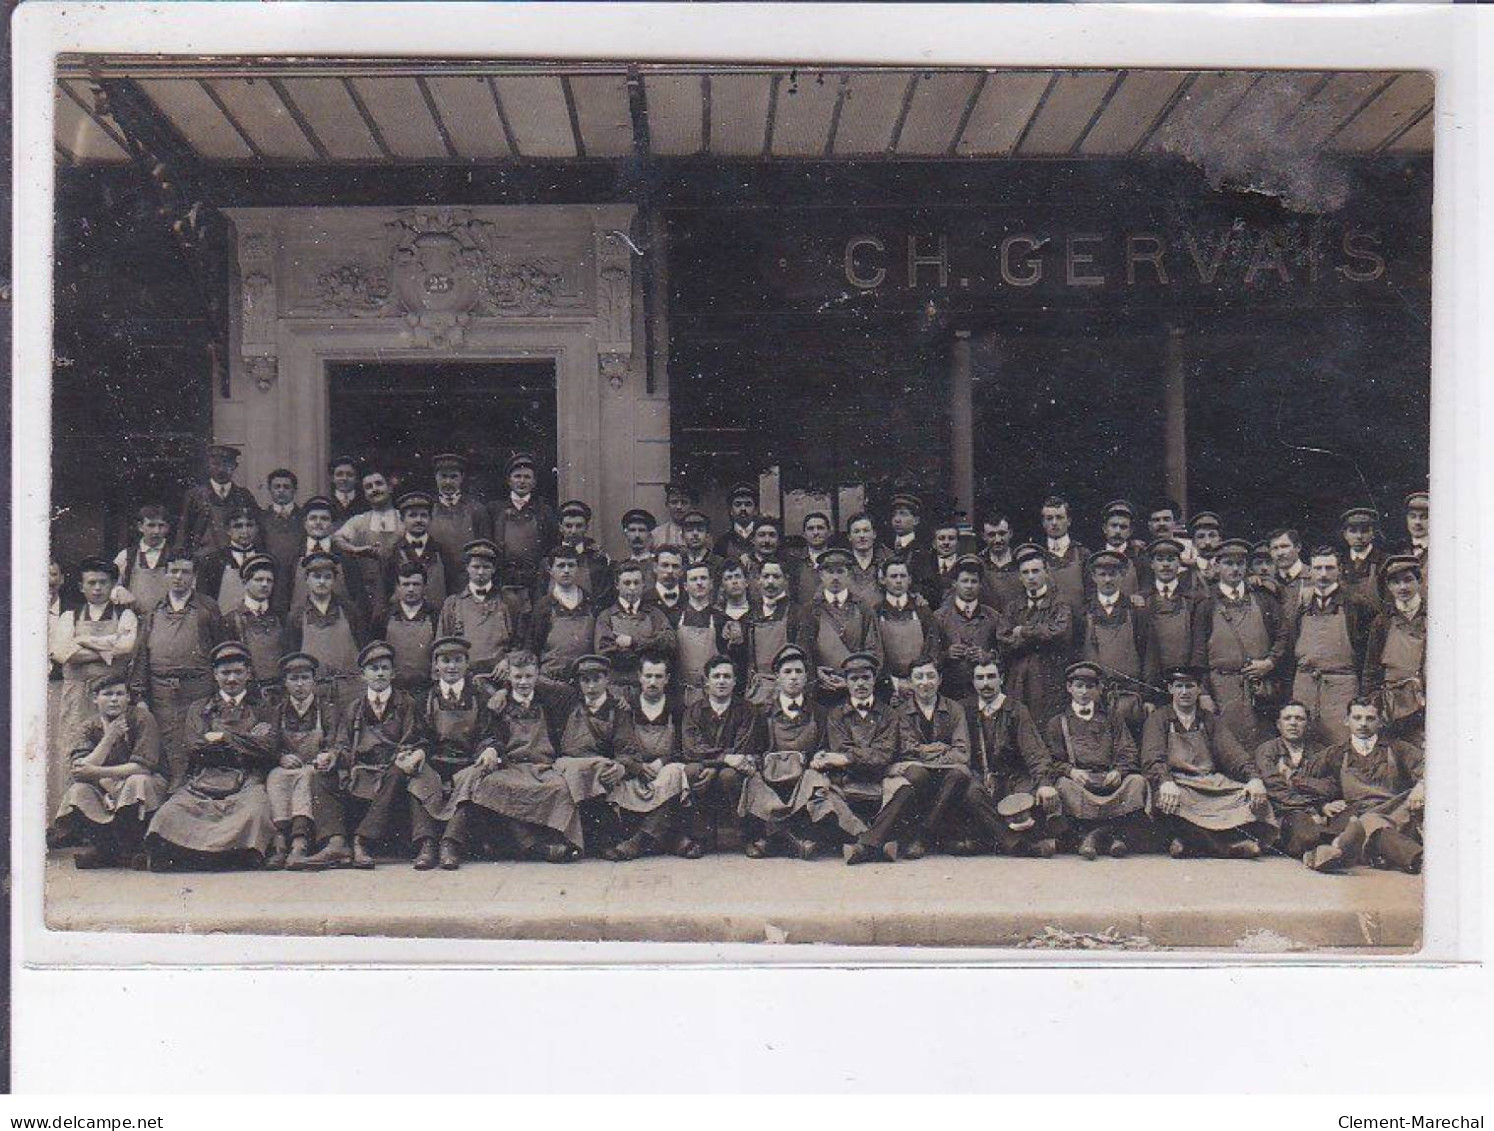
x,y
1395,657
1240,640
772,623
330,629
629,628
1331,629
905,627
220,571
695,635
562,635
256,624
303,787
415,547
456,517
173,667
478,613
1169,615
142,568
410,629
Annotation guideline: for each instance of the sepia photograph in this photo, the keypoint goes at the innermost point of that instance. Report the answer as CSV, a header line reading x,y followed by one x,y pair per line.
x,y
770,503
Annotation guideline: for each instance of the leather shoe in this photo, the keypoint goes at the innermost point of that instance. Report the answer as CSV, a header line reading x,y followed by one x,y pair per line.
x,y
1177,849
361,858
689,849
889,850
756,849
860,853
964,847
1324,858
624,850
1046,848
451,855
275,861
329,857
1119,848
1242,849
1089,847
915,851
94,857
805,848
426,858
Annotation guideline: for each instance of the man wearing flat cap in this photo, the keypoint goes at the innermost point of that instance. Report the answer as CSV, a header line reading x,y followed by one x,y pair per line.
x,y
303,788
1418,528
1362,555
255,623
1208,793
1330,633
1170,608
1036,637
218,569
638,526
966,628
1117,524
597,748
416,545
1208,533
478,613
524,526
741,503
695,541
864,741
1395,654
904,512
1113,636
203,524
115,778
457,517
328,627
593,566
1240,639
834,625
221,815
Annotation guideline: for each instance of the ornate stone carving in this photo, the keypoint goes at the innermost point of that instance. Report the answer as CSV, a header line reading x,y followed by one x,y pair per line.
x,y
436,330
520,288
259,307
263,370
614,324
352,288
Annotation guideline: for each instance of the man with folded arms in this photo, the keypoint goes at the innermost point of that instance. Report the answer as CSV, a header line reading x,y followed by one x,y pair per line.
x,y
631,627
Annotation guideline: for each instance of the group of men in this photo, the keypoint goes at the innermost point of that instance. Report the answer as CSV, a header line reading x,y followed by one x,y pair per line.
x,y
309,684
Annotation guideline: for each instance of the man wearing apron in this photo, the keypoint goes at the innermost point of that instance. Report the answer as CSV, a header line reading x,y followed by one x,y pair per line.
x,y
1036,637
416,546
1010,766
456,518
346,499
1239,639
804,575
1381,796
741,502
667,593
680,499
835,624
1000,587
1066,558
638,527
205,508
1330,629
1170,606
316,521
93,640
630,627
174,668
864,743
905,626
458,727
411,629
1208,534
773,622
967,629
1204,782
721,746
767,539
114,778
1395,656
221,815
868,556
366,540
593,566
281,528
651,800
1095,767
695,541
734,624
1419,529
524,527
564,621
329,628
788,798
142,569
478,614
596,747
255,623
219,573
1113,638
1289,571
1117,521
303,787
1361,558
696,635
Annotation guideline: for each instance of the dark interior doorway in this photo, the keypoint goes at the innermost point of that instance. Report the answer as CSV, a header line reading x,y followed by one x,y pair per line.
x,y
403,413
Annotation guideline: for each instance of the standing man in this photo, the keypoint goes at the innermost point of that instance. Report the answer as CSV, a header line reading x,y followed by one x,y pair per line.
x,y
1001,585
1360,566
255,623
696,633
680,499
1240,639
524,527
1202,778
767,535
479,614
742,504
142,568
906,627
934,567
1208,533
593,566
1395,655
329,628
93,640
1330,632
218,573
281,527
906,510
1289,570
416,546
967,629
630,628
1113,639
411,628
1066,557
346,499
804,581
868,557
1165,520
638,526
174,669
316,522
834,625
366,540
564,620
1036,637
666,592
1419,527
1170,612
696,541
1117,521
772,623
456,516
205,508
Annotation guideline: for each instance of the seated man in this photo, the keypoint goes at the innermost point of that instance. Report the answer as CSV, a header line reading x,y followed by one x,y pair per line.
x,y
650,800
517,789
795,802
596,742
379,743
863,745
1381,796
1296,781
1011,767
221,816
303,787
1095,766
721,745
115,780
1208,792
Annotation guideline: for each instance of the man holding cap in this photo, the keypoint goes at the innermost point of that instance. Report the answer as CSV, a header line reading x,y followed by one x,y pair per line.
x,y
114,781
329,628
1036,636
416,546
1095,767
1396,653
1204,781
1011,768
221,816
205,508
1240,640
479,614
834,625
303,786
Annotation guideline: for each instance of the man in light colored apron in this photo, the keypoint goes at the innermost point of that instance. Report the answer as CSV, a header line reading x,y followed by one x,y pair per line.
x,y
564,621
1113,636
1203,780
411,628
303,786
142,568
696,634
905,626
835,624
1066,558
255,623
456,517
366,540
218,570
630,627
773,622
479,614
329,628
1395,655
1170,608
1330,630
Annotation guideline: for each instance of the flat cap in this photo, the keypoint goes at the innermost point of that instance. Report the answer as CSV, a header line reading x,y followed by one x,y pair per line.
x,y
255,563
1164,545
860,661
414,500
373,652
1359,514
1400,563
592,662
1118,506
297,661
742,491
480,548
1233,546
450,644
836,556
907,499
116,678
1083,669
230,651
318,559
638,514
575,507
1204,520
518,460
1027,551
1106,558
790,652
448,461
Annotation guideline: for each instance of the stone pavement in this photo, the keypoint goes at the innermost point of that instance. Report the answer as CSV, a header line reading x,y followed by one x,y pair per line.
x,y
1267,905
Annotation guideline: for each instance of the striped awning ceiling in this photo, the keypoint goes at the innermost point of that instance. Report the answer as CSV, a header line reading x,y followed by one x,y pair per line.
x,y
288,112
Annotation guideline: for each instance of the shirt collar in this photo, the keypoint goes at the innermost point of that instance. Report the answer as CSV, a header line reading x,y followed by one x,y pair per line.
x,y
668,596
989,709
790,706
1295,572
904,540
517,503
521,703
95,612
1410,608
176,603
233,700
629,609
346,498
1059,546
1364,746
595,706
1189,722
899,602
718,711
283,510
222,490
379,699
452,690
258,608
313,603
967,608
1086,713
836,600
652,711
323,544
1360,555
770,604
451,500
569,601
1322,597
1234,594
482,593
1034,598
152,554
410,612
1108,603
927,711
1166,588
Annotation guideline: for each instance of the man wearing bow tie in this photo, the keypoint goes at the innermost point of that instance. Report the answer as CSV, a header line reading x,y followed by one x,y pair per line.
x,y
667,593
416,546
316,523
934,566
203,525
742,503
218,570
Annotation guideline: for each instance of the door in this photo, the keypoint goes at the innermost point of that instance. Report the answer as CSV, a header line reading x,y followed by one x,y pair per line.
x,y
402,413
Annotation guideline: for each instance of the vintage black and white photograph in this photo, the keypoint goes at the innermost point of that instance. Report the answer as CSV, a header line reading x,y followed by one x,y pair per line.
x,y
740,503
